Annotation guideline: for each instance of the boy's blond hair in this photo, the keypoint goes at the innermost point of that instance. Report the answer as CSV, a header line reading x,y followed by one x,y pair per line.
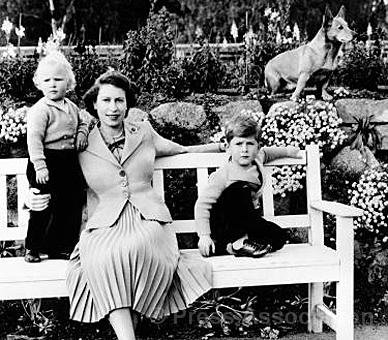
x,y
55,58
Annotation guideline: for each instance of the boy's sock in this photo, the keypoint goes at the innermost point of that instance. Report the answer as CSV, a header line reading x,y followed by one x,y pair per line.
x,y
239,243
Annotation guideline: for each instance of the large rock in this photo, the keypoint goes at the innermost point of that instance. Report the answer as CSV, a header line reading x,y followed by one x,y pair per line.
x,y
351,109
180,121
182,114
229,110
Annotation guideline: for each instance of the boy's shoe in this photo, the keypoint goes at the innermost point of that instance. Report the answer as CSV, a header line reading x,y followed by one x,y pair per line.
x,y
32,256
250,248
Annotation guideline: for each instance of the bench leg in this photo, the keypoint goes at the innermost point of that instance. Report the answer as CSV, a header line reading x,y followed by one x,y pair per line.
x,y
345,326
315,298
345,286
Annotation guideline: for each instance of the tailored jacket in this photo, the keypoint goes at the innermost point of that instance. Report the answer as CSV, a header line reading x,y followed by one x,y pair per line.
x,y
112,183
230,173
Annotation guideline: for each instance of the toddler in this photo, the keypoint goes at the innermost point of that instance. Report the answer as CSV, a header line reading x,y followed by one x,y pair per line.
x,y
55,131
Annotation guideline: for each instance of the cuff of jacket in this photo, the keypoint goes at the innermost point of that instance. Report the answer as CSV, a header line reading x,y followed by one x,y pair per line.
x,y
39,164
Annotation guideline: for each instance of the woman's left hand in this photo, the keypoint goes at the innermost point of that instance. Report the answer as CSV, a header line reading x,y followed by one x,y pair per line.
x,y
37,201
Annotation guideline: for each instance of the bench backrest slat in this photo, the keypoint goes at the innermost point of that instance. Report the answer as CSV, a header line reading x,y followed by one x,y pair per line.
x,y
268,205
3,202
22,185
202,163
314,192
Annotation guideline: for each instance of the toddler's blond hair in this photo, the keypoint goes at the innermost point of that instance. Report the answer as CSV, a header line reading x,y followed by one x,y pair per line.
x,y
55,58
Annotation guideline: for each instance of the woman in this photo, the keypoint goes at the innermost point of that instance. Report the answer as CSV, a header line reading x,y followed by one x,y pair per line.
x,y
127,259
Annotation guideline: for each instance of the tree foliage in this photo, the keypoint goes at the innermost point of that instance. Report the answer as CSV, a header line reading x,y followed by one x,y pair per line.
x,y
109,21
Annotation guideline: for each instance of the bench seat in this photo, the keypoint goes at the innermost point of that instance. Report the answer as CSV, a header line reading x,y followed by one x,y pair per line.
x,y
295,263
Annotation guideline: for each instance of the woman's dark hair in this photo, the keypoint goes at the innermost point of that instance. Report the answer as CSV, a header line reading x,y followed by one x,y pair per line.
x,y
242,126
114,78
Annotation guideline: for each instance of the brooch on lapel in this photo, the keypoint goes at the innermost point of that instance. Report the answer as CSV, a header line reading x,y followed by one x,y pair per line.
x,y
133,129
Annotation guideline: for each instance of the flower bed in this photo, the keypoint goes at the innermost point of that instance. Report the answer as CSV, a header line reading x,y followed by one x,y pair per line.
x,y
13,130
370,193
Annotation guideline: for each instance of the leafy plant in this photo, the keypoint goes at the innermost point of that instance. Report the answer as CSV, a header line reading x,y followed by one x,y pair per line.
x,y
16,79
87,67
357,156
148,57
204,71
361,68
35,322
225,313
9,248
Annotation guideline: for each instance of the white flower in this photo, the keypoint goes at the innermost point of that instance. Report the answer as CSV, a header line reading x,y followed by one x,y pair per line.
x,y
296,32
39,48
369,30
20,32
198,32
278,38
274,16
267,12
60,35
224,43
234,30
7,26
10,52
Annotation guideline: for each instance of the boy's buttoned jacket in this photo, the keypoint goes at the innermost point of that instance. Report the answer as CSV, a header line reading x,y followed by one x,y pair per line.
x,y
112,183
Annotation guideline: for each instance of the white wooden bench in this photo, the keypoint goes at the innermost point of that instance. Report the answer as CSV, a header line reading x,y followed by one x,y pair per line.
x,y
312,263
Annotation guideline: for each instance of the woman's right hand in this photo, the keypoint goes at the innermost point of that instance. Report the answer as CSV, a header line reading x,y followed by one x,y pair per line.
x,y
206,245
37,201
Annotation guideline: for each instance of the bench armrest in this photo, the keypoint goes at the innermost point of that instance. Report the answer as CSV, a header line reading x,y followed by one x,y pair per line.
x,y
336,208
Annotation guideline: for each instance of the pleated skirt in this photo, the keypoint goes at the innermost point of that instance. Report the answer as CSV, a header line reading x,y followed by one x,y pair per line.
x,y
135,263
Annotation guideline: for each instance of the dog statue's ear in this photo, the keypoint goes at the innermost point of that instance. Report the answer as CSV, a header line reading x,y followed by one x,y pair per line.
x,y
327,18
341,12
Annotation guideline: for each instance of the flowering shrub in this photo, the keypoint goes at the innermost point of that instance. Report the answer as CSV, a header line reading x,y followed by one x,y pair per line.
x,y
298,125
370,193
303,123
13,125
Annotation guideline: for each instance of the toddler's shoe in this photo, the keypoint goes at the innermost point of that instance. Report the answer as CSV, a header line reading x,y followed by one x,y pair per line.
x,y
250,249
32,256
59,256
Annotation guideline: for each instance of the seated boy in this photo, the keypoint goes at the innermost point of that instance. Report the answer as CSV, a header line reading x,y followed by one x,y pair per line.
x,y
226,213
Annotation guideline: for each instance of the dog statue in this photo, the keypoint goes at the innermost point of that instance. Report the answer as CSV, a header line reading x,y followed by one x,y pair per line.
x,y
314,61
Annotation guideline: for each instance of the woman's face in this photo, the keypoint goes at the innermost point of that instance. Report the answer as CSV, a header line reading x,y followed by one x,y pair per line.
x,y
111,106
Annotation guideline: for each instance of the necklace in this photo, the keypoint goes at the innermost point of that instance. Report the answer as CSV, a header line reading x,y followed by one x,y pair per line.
x,y
109,139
